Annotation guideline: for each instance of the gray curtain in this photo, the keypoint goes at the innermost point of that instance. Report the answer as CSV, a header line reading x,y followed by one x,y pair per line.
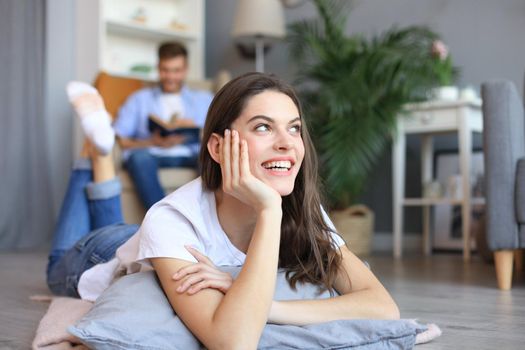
x,y
26,216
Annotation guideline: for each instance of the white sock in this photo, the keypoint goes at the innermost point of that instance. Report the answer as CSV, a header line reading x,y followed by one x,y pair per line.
x,y
94,118
432,332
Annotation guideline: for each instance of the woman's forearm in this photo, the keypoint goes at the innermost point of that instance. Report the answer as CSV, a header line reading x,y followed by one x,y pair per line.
x,y
254,287
364,304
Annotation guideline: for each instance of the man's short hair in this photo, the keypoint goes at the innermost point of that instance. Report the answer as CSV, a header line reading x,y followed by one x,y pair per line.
x,y
171,50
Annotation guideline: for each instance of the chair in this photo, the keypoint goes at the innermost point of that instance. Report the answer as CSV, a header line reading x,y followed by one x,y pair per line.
x,y
115,90
504,147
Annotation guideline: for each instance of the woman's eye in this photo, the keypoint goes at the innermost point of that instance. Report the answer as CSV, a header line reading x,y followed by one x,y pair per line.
x,y
295,129
262,127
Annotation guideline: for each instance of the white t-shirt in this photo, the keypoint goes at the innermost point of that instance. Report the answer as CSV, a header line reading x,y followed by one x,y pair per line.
x,y
171,104
187,216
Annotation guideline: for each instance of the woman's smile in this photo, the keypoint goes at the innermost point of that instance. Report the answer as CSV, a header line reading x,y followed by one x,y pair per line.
x,y
280,166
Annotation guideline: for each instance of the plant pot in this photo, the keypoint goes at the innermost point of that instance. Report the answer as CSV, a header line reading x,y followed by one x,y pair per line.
x,y
446,93
355,225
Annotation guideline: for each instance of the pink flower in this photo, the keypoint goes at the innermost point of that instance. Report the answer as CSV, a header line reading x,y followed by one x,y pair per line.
x,y
439,49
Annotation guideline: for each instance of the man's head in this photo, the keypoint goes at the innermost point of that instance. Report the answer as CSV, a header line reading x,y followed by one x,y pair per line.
x,y
173,66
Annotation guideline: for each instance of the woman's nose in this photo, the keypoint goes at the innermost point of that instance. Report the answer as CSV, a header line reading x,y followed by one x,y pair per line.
x,y
283,141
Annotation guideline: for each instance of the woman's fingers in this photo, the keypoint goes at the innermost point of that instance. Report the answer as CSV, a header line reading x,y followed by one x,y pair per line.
x,y
229,149
187,270
195,268
245,164
191,280
226,159
222,285
199,256
235,157
237,179
201,275
206,279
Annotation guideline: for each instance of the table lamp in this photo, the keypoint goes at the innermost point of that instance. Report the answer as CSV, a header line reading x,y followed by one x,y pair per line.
x,y
258,23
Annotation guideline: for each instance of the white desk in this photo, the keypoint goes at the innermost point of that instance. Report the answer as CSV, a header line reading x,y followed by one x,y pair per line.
x,y
428,119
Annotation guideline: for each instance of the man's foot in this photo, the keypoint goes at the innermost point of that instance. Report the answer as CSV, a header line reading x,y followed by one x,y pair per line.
x,y
94,118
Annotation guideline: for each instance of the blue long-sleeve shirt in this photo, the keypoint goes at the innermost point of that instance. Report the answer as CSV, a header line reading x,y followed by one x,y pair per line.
x,y
132,118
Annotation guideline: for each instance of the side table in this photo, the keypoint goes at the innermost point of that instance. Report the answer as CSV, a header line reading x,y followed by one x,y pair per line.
x,y
427,119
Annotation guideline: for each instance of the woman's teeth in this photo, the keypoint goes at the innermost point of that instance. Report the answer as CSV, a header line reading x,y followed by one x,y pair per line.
x,y
282,165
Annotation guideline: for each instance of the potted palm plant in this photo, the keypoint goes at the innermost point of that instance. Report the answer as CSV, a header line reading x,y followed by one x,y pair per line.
x,y
354,88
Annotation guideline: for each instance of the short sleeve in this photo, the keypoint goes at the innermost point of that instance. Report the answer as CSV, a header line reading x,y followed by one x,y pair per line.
x,y
165,233
337,239
196,104
126,124
205,101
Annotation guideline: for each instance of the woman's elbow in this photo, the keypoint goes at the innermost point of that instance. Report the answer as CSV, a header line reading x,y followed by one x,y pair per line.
x,y
226,338
386,308
394,313
391,310
234,343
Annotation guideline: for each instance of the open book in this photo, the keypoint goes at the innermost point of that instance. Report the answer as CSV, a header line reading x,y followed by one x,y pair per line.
x,y
166,128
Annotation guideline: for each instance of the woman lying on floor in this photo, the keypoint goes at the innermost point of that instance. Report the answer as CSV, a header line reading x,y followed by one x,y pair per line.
x,y
256,204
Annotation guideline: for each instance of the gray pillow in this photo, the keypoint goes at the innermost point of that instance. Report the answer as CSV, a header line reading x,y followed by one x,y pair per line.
x,y
134,313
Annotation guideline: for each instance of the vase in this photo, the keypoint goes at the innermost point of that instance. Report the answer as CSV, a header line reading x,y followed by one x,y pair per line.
x,y
355,225
445,93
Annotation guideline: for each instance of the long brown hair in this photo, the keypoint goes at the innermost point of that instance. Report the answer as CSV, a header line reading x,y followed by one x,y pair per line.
x,y
307,252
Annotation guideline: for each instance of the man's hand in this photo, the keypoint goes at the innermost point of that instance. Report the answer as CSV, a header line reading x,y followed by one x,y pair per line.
x,y
184,123
166,142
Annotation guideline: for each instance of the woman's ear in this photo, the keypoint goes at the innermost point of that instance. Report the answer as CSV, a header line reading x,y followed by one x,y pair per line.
x,y
213,147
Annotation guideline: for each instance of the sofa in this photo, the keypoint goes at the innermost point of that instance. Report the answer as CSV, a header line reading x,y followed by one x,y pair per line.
x,y
504,149
115,90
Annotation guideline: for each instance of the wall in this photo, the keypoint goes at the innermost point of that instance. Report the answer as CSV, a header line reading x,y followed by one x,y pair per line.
x,y
60,31
483,35
72,34
485,38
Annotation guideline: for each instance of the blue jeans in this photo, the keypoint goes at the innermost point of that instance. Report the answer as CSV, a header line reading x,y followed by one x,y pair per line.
x,y
89,230
143,168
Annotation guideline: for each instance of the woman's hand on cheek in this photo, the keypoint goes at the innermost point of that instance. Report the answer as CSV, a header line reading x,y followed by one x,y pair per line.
x,y
237,179
202,275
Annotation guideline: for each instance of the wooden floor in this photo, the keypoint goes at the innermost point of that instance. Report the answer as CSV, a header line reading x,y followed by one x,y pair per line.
x,y
461,298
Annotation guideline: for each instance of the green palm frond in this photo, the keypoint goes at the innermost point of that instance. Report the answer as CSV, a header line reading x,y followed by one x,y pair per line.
x,y
353,90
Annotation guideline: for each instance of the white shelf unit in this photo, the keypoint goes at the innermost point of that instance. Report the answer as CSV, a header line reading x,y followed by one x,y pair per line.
x,y
127,42
144,32
463,118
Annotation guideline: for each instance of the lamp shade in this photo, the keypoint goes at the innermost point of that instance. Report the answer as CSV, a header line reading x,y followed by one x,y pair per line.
x,y
258,18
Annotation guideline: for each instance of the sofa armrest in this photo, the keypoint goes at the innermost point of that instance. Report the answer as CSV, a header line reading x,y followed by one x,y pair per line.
x,y
503,143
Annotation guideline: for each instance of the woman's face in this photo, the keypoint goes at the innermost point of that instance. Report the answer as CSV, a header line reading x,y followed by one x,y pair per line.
x,y
271,125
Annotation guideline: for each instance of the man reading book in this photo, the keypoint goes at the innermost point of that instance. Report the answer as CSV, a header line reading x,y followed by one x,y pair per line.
x,y
145,148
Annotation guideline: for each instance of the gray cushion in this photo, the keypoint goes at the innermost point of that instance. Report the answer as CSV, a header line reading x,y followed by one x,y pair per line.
x,y
135,314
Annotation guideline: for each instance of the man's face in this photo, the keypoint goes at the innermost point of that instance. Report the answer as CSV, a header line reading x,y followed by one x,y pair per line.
x,y
172,73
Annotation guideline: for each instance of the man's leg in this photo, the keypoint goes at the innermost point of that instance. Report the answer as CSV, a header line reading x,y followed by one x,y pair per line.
x,y
143,168
177,162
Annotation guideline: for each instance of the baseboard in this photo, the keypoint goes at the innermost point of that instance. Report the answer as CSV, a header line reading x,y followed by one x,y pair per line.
x,y
383,242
